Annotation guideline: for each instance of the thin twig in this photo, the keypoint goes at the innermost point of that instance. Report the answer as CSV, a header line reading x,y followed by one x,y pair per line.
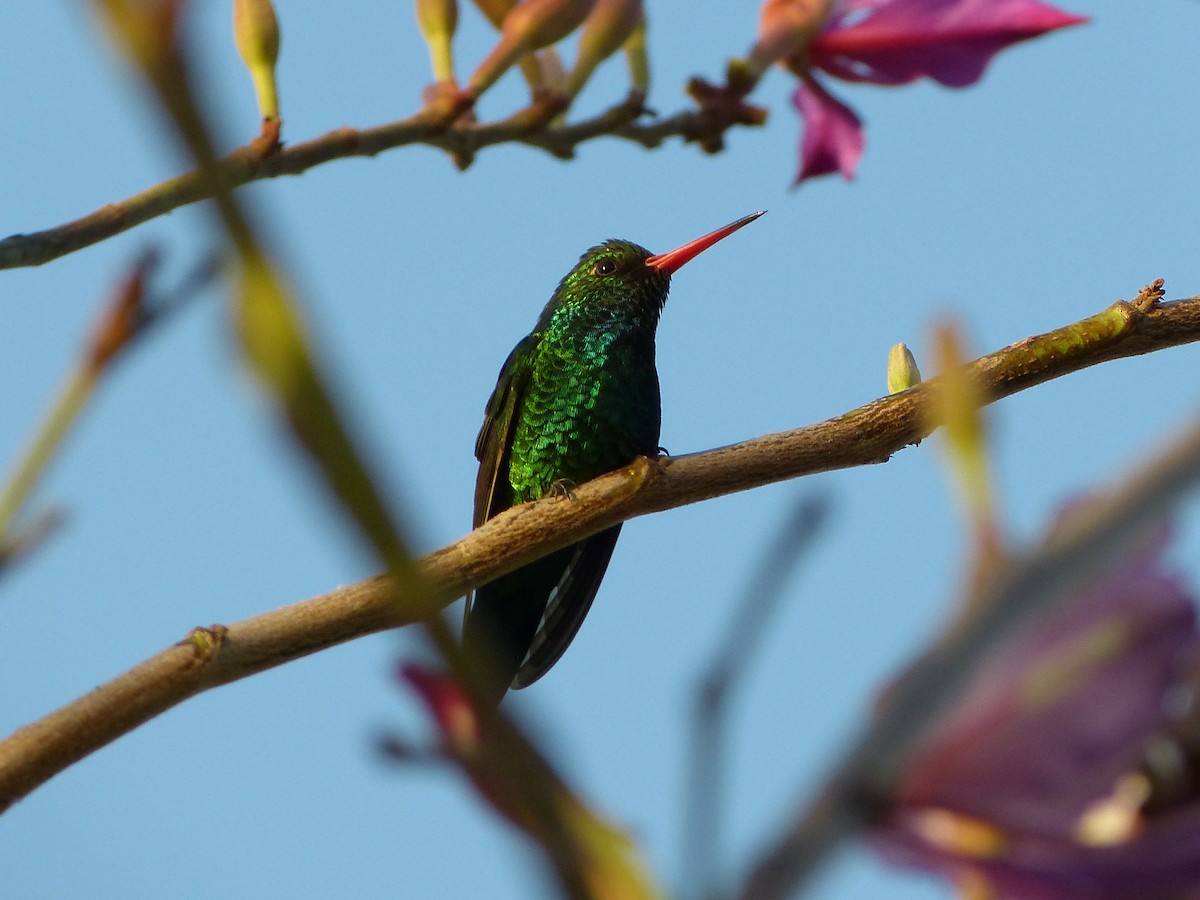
x,y
27,539
248,164
869,434
124,320
575,841
757,607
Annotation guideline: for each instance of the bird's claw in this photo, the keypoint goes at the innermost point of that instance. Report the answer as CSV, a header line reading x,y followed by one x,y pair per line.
x,y
562,487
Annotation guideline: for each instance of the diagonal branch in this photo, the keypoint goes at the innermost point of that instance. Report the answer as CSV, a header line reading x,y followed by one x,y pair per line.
x,y
857,793
870,434
249,164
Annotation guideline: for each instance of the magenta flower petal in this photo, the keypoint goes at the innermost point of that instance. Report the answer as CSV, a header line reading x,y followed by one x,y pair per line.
x,y
1047,728
833,135
950,41
1051,723
448,704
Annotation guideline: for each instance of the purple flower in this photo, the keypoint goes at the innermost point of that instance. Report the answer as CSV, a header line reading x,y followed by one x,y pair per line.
x,y
886,42
1038,783
833,134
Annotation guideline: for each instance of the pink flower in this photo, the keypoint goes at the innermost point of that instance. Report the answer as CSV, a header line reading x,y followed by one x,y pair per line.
x,y
1040,781
833,134
886,42
482,749
455,717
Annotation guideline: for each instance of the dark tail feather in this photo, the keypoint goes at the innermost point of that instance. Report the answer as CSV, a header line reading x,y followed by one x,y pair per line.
x,y
509,633
502,618
576,591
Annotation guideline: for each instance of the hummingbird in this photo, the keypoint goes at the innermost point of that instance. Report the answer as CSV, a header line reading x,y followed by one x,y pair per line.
x,y
576,398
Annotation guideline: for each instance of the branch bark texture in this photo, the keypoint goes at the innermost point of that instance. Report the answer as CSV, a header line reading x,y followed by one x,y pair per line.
x,y
209,657
252,163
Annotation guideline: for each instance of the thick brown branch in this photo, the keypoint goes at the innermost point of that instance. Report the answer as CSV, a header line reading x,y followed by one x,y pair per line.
x,y
869,434
248,164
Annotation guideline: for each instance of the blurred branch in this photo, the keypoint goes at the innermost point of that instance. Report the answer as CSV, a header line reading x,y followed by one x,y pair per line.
x,y
582,848
250,163
121,323
1085,541
741,640
870,434
23,541
119,320
593,858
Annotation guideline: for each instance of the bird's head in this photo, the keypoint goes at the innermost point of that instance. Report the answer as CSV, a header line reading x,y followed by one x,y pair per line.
x,y
622,276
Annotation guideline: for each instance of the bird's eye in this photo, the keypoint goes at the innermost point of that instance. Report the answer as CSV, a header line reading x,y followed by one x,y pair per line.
x,y
606,266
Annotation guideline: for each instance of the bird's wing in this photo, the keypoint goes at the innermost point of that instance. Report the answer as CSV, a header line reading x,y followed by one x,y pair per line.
x,y
541,605
492,491
568,604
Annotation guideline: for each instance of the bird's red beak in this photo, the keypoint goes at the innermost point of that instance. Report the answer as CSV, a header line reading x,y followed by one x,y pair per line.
x,y
673,261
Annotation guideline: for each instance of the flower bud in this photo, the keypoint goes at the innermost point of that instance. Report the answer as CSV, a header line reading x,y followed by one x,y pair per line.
x,y
607,28
635,58
438,20
256,32
785,29
902,371
529,26
533,69
495,10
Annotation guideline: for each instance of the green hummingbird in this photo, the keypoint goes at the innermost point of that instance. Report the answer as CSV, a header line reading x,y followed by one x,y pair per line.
x,y
576,398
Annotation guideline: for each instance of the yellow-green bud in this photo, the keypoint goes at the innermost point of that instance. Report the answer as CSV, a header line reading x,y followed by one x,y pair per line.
x,y
607,28
438,20
256,32
902,371
635,57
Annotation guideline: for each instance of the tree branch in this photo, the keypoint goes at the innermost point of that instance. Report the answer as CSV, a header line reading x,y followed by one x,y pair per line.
x,y
870,434
249,164
862,786
1079,546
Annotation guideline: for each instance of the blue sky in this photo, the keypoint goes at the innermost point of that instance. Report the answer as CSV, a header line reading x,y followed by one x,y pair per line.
x,y
1064,180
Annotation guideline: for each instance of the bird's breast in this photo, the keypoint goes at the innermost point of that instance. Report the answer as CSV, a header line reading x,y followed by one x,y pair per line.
x,y
591,407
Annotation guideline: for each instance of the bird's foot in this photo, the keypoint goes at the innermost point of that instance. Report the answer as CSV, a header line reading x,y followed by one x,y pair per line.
x,y
563,487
